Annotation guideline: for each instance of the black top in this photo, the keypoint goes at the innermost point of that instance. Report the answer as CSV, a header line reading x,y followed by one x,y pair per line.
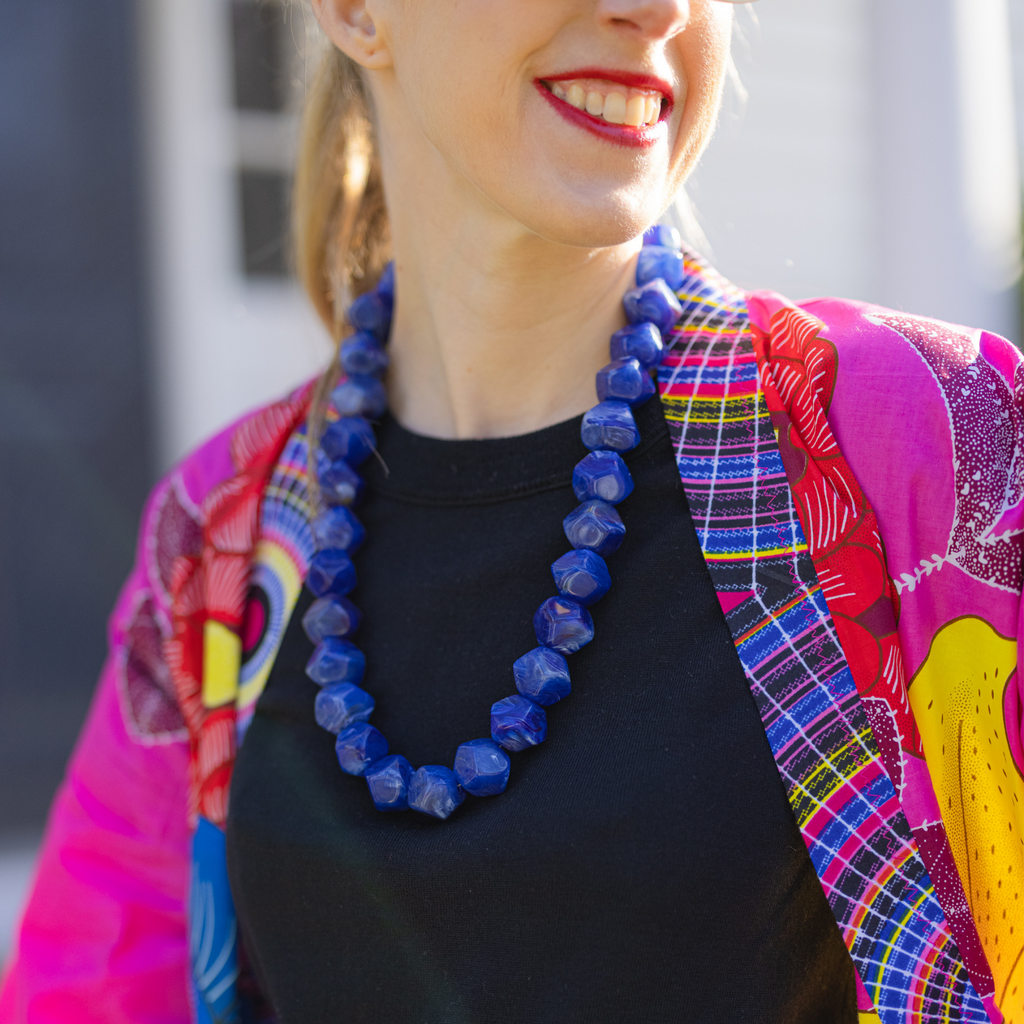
x,y
643,864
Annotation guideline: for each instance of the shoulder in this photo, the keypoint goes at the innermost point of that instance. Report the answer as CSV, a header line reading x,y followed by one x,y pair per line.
x,y
883,345
170,541
889,367
929,416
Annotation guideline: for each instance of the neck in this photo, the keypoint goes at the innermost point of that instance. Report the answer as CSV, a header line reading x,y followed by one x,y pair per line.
x,y
496,331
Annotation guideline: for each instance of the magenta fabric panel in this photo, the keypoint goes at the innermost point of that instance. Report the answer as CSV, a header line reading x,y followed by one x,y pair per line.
x,y
930,418
103,936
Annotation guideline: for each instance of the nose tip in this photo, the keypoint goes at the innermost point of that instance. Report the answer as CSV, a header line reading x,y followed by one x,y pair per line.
x,y
657,18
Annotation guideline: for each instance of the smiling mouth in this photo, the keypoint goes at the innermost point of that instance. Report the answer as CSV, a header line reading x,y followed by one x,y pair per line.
x,y
610,102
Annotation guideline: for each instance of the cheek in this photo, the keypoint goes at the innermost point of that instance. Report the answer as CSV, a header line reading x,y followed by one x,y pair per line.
x,y
468,107
704,55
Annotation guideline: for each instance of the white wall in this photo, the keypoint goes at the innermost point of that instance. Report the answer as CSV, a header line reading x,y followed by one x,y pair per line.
x,y
784,192
223,344
875,158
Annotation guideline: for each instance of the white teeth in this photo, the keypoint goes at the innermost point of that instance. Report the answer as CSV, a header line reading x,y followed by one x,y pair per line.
x,y
635,107
615,107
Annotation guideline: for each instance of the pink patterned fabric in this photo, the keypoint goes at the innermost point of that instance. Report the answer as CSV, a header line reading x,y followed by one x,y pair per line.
x,y
103,936
930,419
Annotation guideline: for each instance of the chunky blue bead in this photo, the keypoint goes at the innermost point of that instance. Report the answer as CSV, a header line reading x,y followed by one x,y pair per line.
x,y
350,438
361,353
595,525
610,425
331,572
563,624
330,616
434,790
581,575
340,484
518,723
660,261
388,780
358,747
482,767
663,234
338,528
336,661
543,676
624,380
340,705
602,475
655,302
360,395
641,342
371,312
386,285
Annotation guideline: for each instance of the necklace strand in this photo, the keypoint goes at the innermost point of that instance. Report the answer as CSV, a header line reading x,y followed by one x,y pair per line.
x,y
563,623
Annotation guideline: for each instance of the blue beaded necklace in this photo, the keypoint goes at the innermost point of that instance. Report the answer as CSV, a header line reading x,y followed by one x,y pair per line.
x,y
563,624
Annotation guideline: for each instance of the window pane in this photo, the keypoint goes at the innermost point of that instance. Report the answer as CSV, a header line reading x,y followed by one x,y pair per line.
x,y
258,31
264,196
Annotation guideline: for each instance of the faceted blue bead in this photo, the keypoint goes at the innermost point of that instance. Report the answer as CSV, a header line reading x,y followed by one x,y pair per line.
x,y
660,261
434,790
563,624
663,234
388,780
331,572
330,616
610,425
518,723
386,285
641,342
361,353
482,767
358,747
338,528
595,525
655,302
581,575
602,475
624,380
340,705
360,395
336,661
350,438
371,312
543,676
340,484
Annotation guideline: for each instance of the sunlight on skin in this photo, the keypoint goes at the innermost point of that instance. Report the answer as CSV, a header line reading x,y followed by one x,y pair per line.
x,y
515,214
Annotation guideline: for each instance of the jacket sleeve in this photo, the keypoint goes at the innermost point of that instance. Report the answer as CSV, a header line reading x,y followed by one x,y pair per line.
x,y
103,936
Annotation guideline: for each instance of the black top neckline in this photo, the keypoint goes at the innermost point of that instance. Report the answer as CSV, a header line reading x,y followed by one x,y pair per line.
x,y
482,472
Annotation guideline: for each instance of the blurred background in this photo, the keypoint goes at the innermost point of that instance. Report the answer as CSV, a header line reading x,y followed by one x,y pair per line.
x,y
146,148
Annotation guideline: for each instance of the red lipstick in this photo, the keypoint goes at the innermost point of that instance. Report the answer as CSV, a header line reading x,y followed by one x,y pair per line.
x,y
624,135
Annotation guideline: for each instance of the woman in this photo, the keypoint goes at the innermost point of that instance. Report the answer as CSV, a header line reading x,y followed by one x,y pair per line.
x,y
809,633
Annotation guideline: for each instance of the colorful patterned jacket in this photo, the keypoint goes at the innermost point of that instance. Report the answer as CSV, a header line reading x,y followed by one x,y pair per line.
x,y
856,479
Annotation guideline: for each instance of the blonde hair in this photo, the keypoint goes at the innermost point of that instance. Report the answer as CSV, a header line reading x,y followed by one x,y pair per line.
x,y
341,236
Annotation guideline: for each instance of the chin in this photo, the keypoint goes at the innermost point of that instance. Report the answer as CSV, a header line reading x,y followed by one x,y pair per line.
x,y
613,220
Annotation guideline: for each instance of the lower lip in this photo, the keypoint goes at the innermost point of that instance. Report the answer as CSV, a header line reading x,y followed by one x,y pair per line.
x,y
644,136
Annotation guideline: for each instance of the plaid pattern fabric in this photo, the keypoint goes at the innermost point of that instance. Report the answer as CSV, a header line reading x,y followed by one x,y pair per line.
x,y
843,800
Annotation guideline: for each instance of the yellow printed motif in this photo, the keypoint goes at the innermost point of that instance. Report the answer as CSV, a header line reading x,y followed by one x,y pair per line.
x,y
958,699
222,657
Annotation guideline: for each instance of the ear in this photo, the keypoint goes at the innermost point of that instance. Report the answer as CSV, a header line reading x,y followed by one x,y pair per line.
x,y
350,26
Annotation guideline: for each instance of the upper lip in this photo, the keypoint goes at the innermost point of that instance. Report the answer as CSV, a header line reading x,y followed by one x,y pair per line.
x,y
630,79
